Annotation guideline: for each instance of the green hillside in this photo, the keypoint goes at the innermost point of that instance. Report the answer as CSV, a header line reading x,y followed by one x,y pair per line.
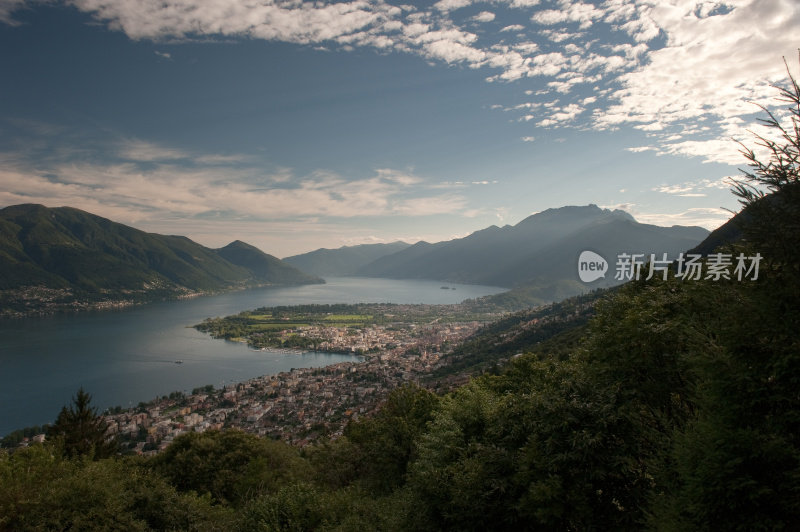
x,y
90,257
263,266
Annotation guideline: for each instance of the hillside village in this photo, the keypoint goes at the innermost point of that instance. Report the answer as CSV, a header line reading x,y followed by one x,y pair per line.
x,y
303,404
299,405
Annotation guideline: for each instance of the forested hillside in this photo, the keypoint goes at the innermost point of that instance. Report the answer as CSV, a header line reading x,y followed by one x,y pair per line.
x,y
61,256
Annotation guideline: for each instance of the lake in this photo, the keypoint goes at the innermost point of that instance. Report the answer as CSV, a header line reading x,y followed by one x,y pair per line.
x,y
127,356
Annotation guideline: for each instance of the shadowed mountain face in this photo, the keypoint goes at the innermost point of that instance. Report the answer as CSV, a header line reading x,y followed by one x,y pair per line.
x,y
541,249
69,248
728,233
343,261
263,266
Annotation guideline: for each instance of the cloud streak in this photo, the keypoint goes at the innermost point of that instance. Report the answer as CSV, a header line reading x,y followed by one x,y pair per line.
x,y
148,181
710,218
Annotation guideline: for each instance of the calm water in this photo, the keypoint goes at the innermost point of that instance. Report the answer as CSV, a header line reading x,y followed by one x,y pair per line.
x,y
124,357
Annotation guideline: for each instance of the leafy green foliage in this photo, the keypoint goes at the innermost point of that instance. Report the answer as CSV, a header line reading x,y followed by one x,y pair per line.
x,y
386,441
231,466
302,507
540,448
39,490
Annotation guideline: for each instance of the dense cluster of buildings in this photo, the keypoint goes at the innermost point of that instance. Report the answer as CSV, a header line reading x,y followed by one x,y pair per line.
x,y
302,404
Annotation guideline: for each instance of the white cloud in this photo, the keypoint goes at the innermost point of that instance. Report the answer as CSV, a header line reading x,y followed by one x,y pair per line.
x,y
528,139
671,69
690,189
710,218
673,189
560,36
695,76
143,151
563,115
721,150
221,160
484,16
277,20
454,52
583,14
450,5
396,176
7,7
165,187
549,17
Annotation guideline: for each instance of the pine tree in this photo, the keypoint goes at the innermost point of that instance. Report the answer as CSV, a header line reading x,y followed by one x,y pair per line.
x,y
770,190
81,431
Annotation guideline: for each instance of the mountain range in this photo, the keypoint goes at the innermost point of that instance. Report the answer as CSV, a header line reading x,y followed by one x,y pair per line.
x,y
537,258
344,261
74,251
66,248
543,248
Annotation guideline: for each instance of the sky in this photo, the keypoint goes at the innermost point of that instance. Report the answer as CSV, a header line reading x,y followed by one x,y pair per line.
x,y
297,125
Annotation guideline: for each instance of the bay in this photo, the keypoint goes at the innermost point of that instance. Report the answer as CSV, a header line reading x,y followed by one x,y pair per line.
x,y
127,356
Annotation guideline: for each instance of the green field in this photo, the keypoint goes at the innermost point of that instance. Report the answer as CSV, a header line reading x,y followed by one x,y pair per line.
x,y
266,327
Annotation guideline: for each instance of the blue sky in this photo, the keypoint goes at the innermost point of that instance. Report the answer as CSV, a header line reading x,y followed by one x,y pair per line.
x,y
296,125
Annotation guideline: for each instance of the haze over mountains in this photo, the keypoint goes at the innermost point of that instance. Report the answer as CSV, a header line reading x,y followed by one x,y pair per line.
x,y
66,248
542,249
72,250
344,261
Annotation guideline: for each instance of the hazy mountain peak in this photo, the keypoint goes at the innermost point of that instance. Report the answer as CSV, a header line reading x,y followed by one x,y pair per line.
x,y
239,244
345,260
543,247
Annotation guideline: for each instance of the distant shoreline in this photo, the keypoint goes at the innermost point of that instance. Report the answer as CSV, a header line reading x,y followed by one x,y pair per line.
x,y
42,301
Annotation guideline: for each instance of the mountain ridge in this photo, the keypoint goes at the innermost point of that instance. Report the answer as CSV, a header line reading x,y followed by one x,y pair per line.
x,y
87,256
343,261
543,247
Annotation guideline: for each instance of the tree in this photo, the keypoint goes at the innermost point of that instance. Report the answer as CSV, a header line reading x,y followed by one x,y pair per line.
x,y
232,466
386,442
80,431
736,463
770,191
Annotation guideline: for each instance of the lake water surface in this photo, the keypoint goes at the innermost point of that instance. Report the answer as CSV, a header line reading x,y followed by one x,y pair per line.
x,y
127,356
